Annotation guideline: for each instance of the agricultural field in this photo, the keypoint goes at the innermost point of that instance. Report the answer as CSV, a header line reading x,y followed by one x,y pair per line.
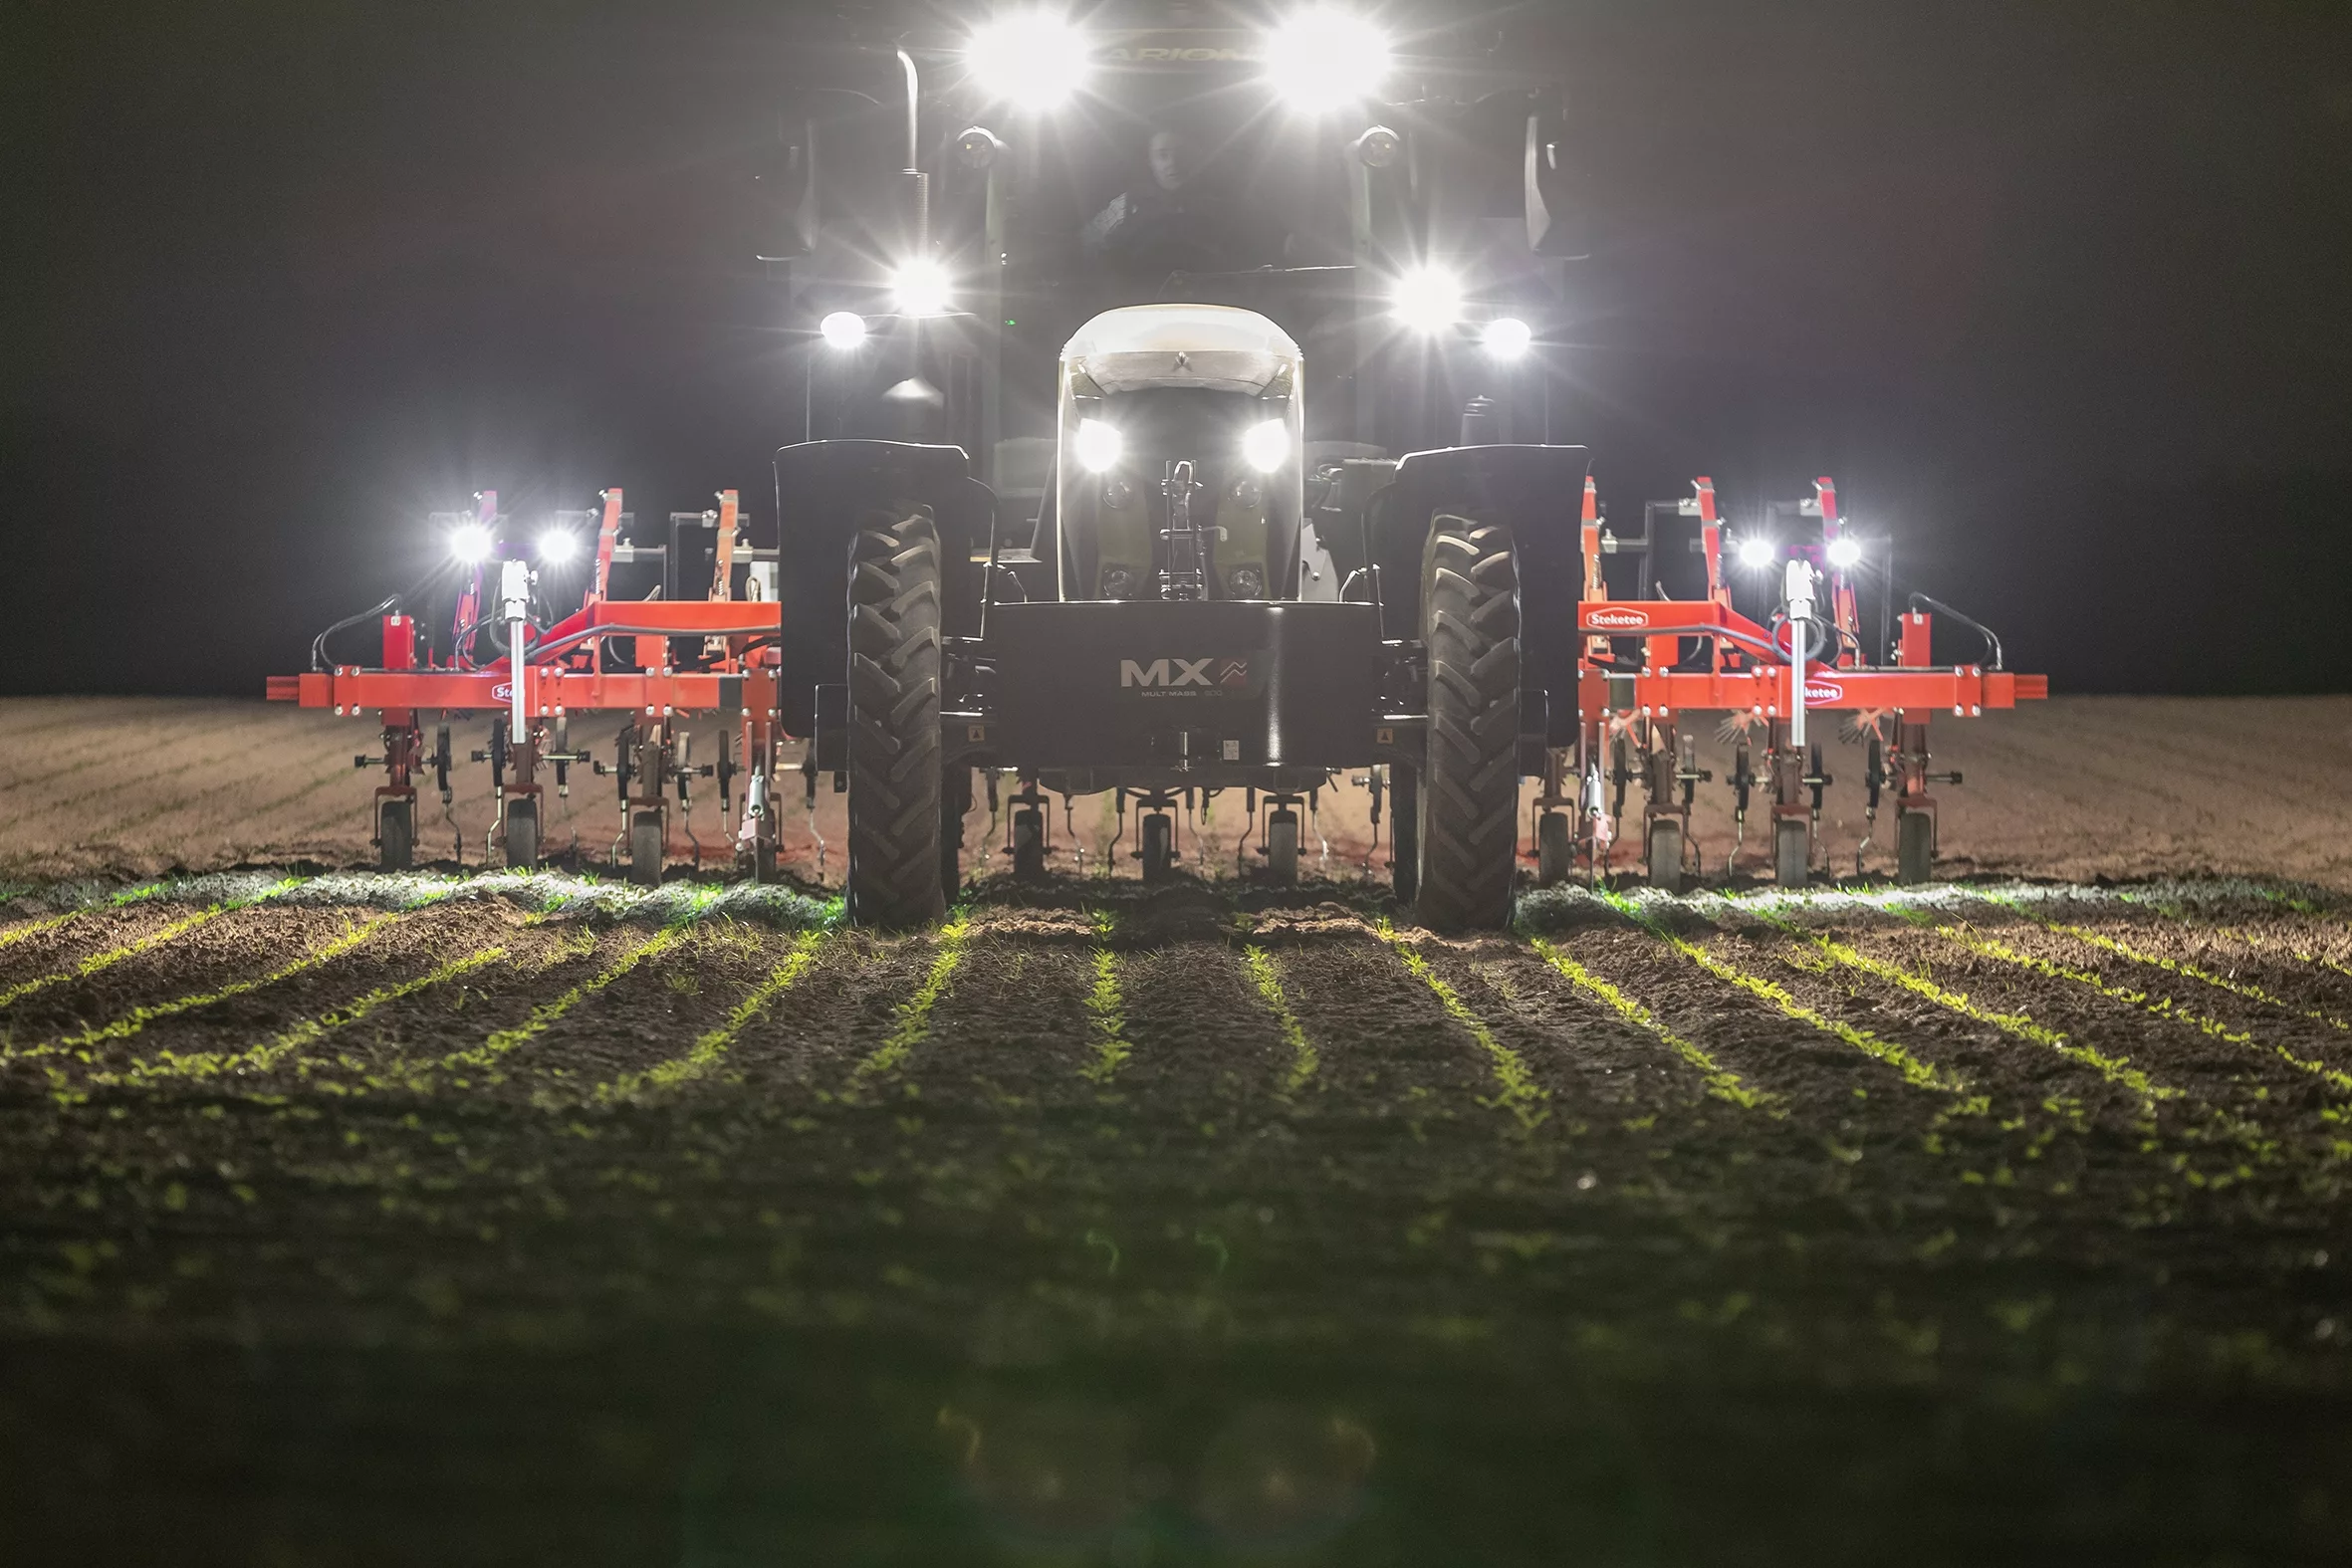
x,y
487,1217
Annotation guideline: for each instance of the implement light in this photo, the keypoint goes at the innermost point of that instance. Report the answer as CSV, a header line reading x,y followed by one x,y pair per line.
x,y
556,546
1031,61
470,543
844,330
1266,447
1098,445
1755,552
1429,299
1321,58
919,286
1844,553
1507,338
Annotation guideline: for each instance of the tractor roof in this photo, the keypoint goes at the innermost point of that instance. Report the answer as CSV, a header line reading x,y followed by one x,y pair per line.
x,y
1216,347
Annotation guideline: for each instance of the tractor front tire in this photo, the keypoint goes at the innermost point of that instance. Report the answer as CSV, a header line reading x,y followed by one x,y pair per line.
x,y
1470,796
1915,848
395,835
894,876
522,835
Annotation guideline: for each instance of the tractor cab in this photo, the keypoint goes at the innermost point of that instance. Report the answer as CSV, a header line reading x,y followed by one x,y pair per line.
x,y
1178,464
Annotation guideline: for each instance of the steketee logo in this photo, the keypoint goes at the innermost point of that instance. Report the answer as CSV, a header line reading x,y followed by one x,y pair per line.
x,y
1823,691
1617,617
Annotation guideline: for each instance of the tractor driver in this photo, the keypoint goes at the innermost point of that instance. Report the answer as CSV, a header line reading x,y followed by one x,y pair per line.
x,y
1174,224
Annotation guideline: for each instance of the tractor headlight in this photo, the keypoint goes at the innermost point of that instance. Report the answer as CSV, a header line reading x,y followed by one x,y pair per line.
x,y
919,286
1429,299
1119,494
470,543
556,546
1031,61
1845,552
1755,552
1322,58
1266,447
1507,338
842,330
1245,583
1119,582
1249,495
1098,445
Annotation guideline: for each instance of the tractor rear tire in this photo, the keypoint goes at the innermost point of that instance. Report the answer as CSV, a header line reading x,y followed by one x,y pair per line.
x,y
1404,831
1028,844
1282,849
1792,850
395,835
1159,846
1915,848
645,848
1470,803
894,769
1555,849
1665,849
522,835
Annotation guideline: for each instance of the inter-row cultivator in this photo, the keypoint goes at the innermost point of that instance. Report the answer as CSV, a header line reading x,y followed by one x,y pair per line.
x,y
701,642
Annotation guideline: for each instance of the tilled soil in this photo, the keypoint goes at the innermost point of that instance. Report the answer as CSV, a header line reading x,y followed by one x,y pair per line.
x,y
2073,788
522,1219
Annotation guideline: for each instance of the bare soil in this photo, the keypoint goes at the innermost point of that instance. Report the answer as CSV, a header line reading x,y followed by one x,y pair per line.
x,y
364,1220
2078,787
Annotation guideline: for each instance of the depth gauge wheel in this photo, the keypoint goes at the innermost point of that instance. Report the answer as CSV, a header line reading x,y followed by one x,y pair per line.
x,y
395,835
1159,845
522,835
894,773
645,848
1915,848
1028,844
1555,849
1282,849
1792,844
1666,855
1469,800
1404,831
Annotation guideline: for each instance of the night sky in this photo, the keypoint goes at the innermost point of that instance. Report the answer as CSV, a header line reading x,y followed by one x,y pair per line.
x,y
2061,292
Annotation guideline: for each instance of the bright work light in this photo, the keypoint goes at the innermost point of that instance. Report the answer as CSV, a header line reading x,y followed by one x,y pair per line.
x,y
1098,445
1845,552
1755,552
1265,447
470,543
1322,58
842,330
1031,61
1507,338
919,286
556,546
1429,299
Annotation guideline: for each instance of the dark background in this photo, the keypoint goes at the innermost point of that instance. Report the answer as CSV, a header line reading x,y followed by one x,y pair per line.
x,y
2057,291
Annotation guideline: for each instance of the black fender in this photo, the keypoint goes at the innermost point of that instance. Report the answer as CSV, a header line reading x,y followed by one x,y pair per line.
x,y
825,490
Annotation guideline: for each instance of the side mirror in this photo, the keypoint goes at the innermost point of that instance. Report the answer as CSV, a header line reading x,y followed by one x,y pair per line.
x,y
1555,226
784,194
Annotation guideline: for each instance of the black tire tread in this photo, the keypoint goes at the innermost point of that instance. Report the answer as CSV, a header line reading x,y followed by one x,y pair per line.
x,y
1469,796
895,879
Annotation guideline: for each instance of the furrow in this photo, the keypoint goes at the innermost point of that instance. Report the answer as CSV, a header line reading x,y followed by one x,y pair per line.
x,y
2202,975
139,1019
1517,1091
913,1026
542,1017
1721,1082
2116,1071
153,939
711,1049
1267,975
2159,1007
